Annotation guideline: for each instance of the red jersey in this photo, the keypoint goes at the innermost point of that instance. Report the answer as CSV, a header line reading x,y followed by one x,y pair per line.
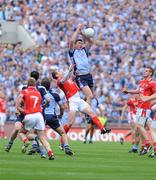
x,y
32,100
69,87
2,105
147,87
132,105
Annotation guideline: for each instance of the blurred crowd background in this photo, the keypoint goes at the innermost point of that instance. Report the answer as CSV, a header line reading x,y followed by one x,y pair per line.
x,y
124,43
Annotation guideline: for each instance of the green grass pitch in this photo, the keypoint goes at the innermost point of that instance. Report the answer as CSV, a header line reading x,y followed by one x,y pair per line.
x,y
97,161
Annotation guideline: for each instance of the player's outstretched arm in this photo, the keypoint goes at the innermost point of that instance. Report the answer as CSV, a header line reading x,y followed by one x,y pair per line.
x,y
74,36
88,40
127,91
68,74
148,98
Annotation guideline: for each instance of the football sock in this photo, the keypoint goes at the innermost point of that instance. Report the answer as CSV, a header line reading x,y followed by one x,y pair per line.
x,y
97,122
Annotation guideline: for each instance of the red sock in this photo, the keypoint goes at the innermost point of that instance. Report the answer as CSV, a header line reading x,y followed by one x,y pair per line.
x,y
97,122
147,143
142,146
50,153
3,134
61,140
66,128
154,144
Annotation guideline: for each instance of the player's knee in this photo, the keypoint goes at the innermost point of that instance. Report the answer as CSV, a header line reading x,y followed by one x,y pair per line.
x,y
62,132
70,124
89,97
18,126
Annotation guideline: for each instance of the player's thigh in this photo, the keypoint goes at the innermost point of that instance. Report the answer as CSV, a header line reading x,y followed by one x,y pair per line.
x,y
18,125
2,119
85,108
73,105
29,122
40,124
60,130
87,91
83,105
53,123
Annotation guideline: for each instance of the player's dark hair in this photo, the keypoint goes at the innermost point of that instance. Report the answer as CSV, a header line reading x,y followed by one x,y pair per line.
x,y
151,70
35,75
54,74
46,83
31,81
78,40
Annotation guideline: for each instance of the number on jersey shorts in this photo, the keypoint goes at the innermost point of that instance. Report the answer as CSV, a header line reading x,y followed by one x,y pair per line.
x,y
142,115
34,121
2,119
76,103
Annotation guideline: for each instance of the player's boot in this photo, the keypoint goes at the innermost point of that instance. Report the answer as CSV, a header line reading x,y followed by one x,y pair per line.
x,y
51,157
90,142
68,150
153,154
31,151
25,147
145,150
121,140
8,146
105,130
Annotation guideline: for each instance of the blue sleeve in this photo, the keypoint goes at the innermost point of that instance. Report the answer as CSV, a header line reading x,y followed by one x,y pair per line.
x,y
42,90
71,53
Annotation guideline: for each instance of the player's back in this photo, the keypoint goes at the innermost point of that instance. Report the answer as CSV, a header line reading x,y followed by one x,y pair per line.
x,y
32,100
54,98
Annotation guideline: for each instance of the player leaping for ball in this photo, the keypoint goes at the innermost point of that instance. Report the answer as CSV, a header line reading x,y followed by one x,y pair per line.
x,y
71,91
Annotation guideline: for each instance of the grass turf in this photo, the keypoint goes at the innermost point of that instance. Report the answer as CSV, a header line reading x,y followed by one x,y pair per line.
x,y
97,161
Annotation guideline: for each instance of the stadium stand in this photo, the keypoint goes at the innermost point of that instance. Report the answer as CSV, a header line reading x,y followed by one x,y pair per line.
x,y
125,41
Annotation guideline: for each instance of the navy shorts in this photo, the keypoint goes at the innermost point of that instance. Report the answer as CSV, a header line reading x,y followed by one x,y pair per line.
x,y
20,118
52,121
84,80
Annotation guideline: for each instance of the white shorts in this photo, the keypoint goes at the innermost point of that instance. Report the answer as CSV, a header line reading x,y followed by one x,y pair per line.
x,y
34,121
76,103
131,118
2,118
153,124
142,115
